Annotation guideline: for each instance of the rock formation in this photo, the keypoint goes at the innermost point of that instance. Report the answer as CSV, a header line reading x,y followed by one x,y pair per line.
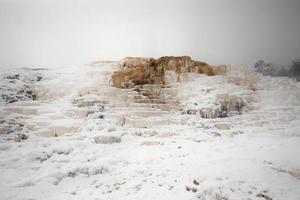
x,y
139,71
220,70
220,106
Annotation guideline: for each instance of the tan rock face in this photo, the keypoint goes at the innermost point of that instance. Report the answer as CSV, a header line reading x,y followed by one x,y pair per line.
x,y
220,70
139,71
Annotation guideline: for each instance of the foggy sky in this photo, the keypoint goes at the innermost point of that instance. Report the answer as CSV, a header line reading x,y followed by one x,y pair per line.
x,y
73,32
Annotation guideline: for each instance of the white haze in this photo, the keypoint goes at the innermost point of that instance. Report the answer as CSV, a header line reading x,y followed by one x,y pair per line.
x,y
73,32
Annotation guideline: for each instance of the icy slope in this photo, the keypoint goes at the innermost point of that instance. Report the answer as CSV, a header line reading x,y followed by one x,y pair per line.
x,y
88,140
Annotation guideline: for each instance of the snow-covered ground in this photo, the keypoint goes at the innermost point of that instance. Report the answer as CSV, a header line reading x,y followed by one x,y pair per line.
x,y
89,140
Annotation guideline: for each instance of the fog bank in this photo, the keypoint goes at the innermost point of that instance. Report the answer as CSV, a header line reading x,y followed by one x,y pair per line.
x,y
73,32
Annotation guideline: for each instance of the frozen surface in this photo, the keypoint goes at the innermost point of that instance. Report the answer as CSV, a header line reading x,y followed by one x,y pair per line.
x,y
88,140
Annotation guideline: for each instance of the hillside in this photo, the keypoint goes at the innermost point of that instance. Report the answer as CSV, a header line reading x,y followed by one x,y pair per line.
x,y
69,133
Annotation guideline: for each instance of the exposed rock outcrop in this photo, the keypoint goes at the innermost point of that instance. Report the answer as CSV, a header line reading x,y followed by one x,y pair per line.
x,y
220,70
219,106
19,87
139,71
